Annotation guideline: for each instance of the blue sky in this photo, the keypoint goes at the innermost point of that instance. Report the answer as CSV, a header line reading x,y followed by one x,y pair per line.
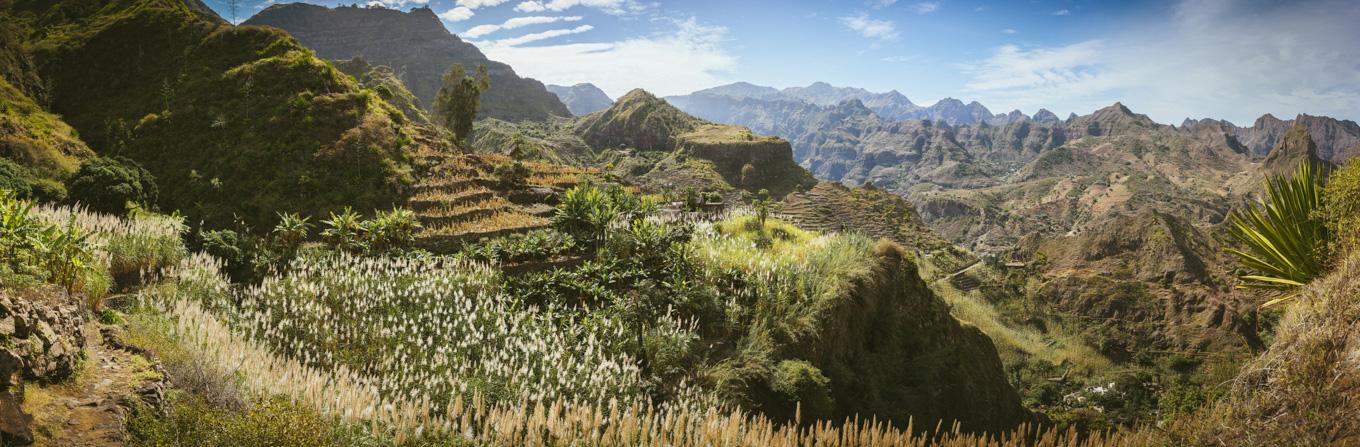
x,y
1232,59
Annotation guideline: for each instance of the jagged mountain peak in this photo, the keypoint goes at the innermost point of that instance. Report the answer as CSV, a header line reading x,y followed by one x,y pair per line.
x,y
1046,116
1295,146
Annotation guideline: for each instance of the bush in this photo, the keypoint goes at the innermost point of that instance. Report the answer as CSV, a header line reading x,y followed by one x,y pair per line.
x,y
391,230
1341,207
110,185
534,245
586,211
511,175
274,422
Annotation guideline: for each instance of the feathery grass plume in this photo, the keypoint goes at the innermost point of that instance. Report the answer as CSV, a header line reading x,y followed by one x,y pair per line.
x,y
1284,242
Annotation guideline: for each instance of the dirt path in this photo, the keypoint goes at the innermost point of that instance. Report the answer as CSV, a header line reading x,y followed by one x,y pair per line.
x,y
92,409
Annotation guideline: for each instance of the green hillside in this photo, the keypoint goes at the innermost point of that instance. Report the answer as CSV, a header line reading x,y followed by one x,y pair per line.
x,y
232,121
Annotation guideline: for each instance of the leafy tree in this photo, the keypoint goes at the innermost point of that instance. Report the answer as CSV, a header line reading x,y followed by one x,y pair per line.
x,y
110,185
1284,242
456,104
762,205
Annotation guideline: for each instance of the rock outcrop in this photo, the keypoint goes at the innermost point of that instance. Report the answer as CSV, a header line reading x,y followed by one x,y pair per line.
x,y
39,342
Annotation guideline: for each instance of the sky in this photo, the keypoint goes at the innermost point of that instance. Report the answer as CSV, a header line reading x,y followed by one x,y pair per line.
x,y
1226,59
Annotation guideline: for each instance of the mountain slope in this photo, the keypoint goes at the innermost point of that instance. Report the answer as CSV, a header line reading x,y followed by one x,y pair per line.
x,y
582,99
37,149
232,121
417,46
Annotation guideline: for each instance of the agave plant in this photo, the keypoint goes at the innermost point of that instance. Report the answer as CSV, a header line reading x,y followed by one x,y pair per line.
x,y
1282,241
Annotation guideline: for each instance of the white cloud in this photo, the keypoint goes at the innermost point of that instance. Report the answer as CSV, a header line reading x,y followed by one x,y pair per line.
x,y
1008,31
1062,12
616,7
1199,63
474,4
530,6
879,4
517,22
457,14
925,7
871,28
534,37
393,3
479,31
688,58
898,59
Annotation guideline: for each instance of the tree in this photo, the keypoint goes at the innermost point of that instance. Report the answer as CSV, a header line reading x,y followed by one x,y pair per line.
x,y
762,205
110,185
456,105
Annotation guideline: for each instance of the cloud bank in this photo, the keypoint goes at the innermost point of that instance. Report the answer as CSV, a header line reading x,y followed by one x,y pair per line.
x,y
689,57
1233,59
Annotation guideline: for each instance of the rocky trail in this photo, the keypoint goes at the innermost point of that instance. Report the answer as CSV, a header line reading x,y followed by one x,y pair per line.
x,y
68,382
92,410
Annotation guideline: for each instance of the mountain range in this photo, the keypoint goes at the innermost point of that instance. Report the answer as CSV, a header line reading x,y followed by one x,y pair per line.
x,y
582,99
416,46
709,103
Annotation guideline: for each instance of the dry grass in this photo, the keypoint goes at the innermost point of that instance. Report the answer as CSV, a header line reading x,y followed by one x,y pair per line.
x,y
450,196
554,179
493,203
1304,390
499,221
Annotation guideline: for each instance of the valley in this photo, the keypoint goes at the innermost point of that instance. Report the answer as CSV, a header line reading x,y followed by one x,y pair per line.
x,y
349,225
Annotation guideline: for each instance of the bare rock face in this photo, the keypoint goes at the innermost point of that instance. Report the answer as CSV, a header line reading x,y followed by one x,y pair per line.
x,y
38,341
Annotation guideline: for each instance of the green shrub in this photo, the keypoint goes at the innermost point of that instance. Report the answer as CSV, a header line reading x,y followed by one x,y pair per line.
x,y
801,382
110,185
273,422
534,245
345,231
586,211
390,230
511,175
1341,207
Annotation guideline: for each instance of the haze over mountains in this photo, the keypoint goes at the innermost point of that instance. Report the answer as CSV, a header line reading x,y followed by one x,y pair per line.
x,y
583,98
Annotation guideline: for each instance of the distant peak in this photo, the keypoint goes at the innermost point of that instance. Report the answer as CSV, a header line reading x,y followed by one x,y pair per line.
x,y
637,94
819,84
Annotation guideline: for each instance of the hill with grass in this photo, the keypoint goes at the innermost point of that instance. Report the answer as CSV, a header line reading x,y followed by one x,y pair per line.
x,y
38,150
417,47
203,109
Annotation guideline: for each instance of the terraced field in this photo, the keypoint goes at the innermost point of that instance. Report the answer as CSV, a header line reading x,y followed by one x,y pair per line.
x,y
461,200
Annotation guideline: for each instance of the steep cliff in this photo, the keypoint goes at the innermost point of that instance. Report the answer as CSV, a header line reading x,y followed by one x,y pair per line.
x,y
417,47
